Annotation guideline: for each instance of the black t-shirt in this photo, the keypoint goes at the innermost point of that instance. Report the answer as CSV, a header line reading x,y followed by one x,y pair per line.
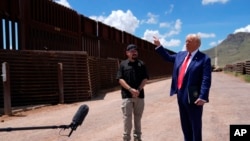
x,y
133,73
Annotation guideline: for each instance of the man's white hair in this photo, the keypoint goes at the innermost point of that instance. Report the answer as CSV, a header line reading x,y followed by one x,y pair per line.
x,y
197,37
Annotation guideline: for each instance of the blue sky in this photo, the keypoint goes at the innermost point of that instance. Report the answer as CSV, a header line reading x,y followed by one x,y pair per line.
x,y
169,20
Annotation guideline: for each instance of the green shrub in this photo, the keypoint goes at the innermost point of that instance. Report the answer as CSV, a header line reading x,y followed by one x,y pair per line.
x,y
247,78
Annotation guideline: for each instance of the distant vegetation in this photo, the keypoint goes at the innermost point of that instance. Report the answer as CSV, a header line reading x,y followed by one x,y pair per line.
x,y
246,78
235,48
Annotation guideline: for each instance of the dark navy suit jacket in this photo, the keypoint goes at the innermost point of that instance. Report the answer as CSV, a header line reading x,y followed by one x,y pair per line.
x,y
198,73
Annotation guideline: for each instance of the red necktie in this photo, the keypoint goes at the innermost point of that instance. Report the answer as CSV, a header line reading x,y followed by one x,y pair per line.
x,y
182,71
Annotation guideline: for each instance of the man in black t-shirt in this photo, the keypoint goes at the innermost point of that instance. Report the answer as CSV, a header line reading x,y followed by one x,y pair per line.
x,y
132,76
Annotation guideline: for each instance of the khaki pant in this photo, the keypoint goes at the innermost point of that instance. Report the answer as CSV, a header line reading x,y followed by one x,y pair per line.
x,y
132,107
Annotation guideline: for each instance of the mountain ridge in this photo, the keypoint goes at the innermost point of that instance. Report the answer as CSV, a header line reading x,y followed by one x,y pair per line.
x,y
235,48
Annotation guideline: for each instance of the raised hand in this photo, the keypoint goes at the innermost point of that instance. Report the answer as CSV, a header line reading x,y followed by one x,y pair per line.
x,y
156,41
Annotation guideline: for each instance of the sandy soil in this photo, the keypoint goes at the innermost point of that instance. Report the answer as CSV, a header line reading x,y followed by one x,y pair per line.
x,y
229,104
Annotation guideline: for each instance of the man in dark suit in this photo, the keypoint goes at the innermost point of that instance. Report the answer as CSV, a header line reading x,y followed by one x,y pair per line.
x,y
191,75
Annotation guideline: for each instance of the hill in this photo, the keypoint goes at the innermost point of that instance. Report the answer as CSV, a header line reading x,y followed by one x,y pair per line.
x,y
235,48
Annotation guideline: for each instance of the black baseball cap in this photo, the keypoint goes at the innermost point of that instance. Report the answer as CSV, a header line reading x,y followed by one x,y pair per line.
x,y
131,46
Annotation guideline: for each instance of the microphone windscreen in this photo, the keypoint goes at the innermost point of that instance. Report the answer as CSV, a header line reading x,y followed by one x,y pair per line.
x,y
80,115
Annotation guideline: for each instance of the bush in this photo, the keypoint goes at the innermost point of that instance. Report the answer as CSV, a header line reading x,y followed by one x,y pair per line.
x,y
247,78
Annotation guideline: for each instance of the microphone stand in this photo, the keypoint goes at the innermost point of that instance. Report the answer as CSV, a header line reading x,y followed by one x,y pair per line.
x,y
77,120
9,129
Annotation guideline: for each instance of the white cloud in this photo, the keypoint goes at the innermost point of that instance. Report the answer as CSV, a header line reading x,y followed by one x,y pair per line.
x,y
124,21
63,2
175,29
243,29
206,35
213,44
184,47
165,25
171,43
98,18
170,10
206,2
148,35
153,19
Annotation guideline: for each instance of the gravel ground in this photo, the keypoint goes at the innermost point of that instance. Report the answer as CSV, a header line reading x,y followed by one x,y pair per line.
x,y
229,104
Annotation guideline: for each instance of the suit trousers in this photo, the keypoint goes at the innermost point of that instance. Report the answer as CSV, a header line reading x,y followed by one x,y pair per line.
x,y
191,119
132,107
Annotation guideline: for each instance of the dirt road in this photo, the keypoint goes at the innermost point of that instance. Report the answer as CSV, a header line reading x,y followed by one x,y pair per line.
x,y
229,104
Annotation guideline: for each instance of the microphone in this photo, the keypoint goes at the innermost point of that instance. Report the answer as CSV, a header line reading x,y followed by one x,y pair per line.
x,y
78,117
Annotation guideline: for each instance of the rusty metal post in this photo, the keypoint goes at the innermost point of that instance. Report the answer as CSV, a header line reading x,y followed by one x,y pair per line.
x,y
25,24
6,87
60,82
1,33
